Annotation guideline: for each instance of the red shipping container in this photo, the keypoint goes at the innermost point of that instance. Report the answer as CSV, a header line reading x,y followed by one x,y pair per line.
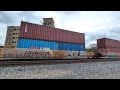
x,y
62,35
35,31
106,42
101,43
109,49
103,50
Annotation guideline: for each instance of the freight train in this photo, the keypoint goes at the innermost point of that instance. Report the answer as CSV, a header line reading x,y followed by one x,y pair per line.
x,y
63,43
54,54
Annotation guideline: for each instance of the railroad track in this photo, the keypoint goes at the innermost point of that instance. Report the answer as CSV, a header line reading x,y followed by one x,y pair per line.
x,y
19,62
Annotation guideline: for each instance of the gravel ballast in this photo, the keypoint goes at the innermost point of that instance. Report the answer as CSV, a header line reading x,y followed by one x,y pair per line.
x,y
90,70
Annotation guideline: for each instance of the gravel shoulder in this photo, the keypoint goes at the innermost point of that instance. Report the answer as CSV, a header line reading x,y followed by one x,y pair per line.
x,y
90,70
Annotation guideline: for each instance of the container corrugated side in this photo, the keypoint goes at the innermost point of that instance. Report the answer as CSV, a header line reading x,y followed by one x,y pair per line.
x,y
109,49
106,42
101,43
31,43
112,43
41,32
115,50
71,47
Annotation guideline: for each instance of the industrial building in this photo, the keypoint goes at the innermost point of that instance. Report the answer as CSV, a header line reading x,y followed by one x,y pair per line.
x,y
30,35
108,45
48,22
12,36
1,51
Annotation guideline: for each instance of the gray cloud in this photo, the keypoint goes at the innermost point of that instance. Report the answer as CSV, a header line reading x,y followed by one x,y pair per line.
x,y
6,18
28,16
95,25
115,30
10,18
13,19
113,33
70,12
92,37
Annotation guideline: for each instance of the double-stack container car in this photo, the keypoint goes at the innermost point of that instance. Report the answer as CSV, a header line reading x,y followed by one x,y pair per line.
x,y
108,45
40,36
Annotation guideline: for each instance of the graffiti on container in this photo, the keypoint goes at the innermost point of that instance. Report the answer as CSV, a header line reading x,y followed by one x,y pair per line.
x,y
9,53
75,54
26,53
20,53
41,48
30,54
37,54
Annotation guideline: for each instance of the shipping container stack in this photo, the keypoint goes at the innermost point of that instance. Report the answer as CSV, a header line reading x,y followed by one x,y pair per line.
x,y
107,45
41,36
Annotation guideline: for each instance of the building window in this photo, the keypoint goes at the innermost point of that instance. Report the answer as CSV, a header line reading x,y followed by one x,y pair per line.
x,y
13,33
13,37
12,42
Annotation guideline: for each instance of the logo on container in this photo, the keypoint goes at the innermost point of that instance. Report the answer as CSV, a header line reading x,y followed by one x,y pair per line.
x,y
26,28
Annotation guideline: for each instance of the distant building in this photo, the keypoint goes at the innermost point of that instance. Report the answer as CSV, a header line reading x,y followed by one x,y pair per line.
x,y
48,22
1,51
12,36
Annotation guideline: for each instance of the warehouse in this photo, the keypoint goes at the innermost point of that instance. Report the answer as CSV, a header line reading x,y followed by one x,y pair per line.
x,y
47,36
108,45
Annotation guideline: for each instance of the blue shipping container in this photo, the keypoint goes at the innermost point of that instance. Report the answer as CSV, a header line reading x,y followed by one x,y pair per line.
x,y
71,47
31,43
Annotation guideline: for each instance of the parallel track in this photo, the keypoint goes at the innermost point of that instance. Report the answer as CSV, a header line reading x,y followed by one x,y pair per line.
x,y
19,62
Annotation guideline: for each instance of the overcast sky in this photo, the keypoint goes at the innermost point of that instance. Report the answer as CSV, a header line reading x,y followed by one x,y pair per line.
x,y
95,24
